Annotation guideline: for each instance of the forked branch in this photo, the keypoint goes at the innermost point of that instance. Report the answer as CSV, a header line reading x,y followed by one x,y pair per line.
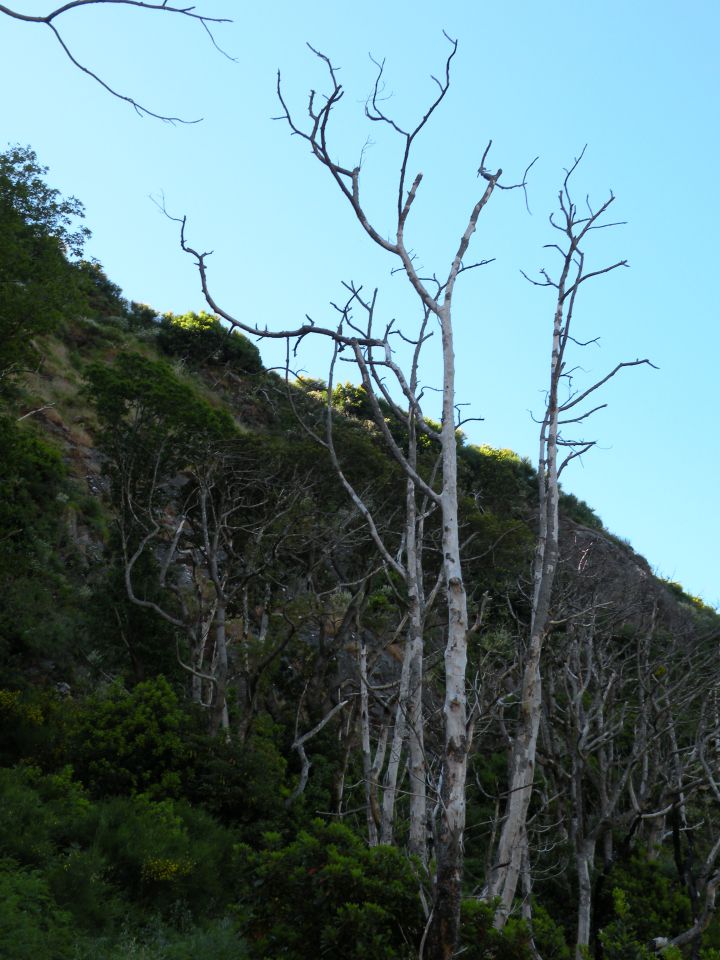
x,y
163,6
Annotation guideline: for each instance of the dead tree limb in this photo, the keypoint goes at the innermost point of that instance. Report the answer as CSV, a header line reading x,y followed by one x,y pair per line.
x,y
162,6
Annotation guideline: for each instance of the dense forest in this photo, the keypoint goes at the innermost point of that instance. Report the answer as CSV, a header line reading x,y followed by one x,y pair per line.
x,y
218,738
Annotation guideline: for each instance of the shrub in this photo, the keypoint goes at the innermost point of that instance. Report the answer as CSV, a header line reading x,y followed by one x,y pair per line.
x,y
200,338
327,892
481,941
41,815
131,742
31,925
242,784
159,940
619,939
167,854
646,901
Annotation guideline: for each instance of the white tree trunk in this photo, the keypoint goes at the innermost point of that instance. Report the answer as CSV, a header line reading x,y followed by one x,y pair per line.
x,y
390,780
448,844
585,861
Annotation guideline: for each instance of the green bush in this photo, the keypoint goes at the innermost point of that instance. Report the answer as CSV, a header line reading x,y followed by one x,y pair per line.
x,y
481,941
33,727
327,892
200,338
166,854
38,285
548,935
131,742
619,938
647,900
241,784
160,940
39,613
31,925
42,815
79,880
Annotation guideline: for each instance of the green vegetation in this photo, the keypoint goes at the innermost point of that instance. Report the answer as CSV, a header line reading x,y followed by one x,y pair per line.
x,y
200,339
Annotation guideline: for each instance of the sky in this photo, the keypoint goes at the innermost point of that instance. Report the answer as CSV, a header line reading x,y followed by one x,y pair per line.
x,y
637,82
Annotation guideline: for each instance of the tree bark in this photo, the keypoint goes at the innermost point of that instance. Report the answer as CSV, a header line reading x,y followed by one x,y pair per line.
x,y
585,861
443,934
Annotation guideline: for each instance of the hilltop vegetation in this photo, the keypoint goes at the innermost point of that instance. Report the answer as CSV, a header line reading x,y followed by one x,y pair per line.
x,y
202,660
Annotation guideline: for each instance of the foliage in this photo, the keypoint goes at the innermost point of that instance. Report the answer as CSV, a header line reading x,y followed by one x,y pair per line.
x,y
104,297
146,411
32,927
162,940
353,401
579,511
165,853
46,212
480,939
704,614
38,285
41,814
40,611
131,742
200,339
242,784
619,939
548,936
153,425
502,482
327,892
647,901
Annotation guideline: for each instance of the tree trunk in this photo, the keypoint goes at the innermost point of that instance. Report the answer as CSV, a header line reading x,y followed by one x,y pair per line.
x,y
416,612
417,841
443,934
396,749
220,717
585,860
365,743
504,879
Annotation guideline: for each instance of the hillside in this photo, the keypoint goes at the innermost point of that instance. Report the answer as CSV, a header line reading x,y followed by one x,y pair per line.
x,y
212,730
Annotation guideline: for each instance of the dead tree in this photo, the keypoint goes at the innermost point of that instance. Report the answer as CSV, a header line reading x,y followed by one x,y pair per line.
x,y
378,355
625,679
50,20
556,453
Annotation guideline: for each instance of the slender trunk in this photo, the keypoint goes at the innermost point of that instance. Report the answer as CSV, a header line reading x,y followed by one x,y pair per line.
x,y
417,841
371,812
608,851
396,749
656,835
443,934
526,877
584,860
508,861
197,656
221,720
504,879
415,719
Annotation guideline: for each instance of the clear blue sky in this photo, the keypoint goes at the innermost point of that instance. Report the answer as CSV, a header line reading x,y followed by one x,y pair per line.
x,y
637,82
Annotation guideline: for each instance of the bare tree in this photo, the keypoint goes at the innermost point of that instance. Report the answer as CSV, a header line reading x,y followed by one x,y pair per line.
x,y
376,355
556,452
49,20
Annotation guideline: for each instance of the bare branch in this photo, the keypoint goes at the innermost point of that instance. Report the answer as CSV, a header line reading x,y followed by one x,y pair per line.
x,y
162,6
